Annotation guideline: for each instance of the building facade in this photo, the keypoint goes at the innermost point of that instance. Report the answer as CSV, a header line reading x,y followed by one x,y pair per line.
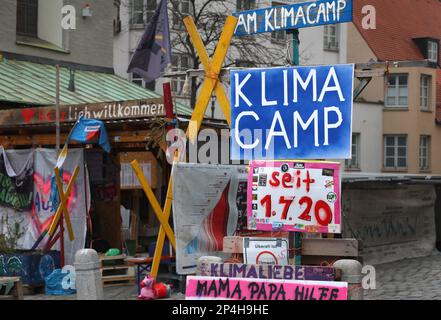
x,y
407,95
32,30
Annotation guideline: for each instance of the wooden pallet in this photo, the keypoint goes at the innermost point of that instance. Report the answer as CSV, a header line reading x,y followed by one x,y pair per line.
x,y
32,290
118,281
11,288
117,271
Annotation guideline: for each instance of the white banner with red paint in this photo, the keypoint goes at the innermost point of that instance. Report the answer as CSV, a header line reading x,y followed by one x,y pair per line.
x,y
32,223
214,288
301,196
205,210
45,160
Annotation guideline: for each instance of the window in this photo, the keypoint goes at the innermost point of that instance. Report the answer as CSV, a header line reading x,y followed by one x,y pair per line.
x,y
141,82
425,84
331,37
142,11
27,18
432,51
397,91
424,152
179,63
278,36
395,151
354,162
178,15
244,5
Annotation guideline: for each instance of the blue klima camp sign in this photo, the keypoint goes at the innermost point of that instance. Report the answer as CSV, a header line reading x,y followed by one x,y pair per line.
x,y
292,113
294,16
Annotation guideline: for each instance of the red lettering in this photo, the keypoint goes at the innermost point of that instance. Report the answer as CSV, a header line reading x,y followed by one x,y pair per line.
x,y
305,215
275,180
323,206
308,181
49,117
299,180
287,179
266,202
41,116
287,204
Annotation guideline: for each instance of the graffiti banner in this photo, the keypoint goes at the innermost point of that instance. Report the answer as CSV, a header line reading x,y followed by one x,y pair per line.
x,y
393,221
211,213
45,160
16,186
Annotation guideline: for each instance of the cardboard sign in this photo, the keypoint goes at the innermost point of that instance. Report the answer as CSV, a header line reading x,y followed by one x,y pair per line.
x,y
292,113
294,196
267,271
213,288
265,251
294,16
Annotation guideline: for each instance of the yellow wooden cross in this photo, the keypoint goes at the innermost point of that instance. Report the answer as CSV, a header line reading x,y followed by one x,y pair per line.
x,y
211,83
63,202
212,69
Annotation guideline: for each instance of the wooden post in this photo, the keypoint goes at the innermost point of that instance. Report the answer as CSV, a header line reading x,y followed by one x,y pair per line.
x,y
57,109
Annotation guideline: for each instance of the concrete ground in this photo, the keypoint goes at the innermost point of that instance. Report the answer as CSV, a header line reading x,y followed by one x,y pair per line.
x,y
409,279
126,292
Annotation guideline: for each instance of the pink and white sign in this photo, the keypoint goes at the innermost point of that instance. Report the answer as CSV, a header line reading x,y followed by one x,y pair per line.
x,y
301,196
214,288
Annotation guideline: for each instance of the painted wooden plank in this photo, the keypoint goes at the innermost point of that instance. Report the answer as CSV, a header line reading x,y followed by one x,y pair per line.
x,y
218,288
330,247
294,16
70,113
311,247
266,271
326,260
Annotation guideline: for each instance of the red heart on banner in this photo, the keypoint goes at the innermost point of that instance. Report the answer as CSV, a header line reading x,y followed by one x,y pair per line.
x,y
28,114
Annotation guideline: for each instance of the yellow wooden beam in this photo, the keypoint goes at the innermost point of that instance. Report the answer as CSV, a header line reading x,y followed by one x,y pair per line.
x,y
212,70
62,205
154,202
211,83
161,235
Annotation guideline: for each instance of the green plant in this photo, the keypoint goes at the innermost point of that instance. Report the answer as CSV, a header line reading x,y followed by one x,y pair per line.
x,y
9,240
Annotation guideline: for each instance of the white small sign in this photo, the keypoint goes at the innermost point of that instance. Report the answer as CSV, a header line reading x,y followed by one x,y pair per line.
x,y
265,251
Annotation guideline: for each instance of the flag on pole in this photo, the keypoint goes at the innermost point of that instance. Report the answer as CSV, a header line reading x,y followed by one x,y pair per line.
x,y
85,131
153,53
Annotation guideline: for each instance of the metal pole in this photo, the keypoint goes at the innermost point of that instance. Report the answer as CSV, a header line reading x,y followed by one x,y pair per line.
x,y
295,47
57,110
296,62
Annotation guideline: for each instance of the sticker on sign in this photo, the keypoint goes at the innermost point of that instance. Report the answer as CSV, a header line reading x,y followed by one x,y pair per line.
x,y
298,196
292,113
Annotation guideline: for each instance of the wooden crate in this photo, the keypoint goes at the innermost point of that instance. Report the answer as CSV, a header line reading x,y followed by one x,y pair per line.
x,y
315,252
